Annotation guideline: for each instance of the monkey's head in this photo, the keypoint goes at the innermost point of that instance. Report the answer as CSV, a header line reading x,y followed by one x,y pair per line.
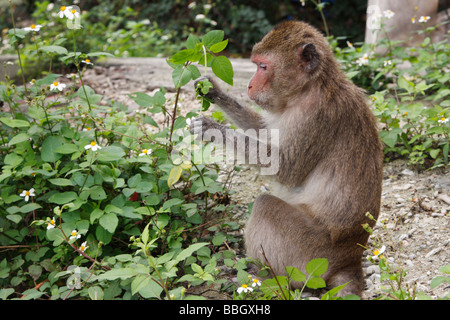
x,y
289,57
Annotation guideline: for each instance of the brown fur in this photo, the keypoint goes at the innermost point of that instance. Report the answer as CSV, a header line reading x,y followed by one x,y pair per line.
x,y
330,157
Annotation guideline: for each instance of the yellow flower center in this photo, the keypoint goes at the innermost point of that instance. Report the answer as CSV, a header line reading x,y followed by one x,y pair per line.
x,y
244,286
443,119
73,11
62,8
74,233
52,222
376,252
55,83
87,128
27,193
87,60
33,26
82,248
255,280
413,19
144,151
93,143
406,113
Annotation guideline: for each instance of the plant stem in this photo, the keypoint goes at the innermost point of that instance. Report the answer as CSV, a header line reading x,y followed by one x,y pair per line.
x,y
174,113
325,25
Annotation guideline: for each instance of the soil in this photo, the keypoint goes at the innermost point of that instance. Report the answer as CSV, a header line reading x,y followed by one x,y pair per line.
x,y
414,224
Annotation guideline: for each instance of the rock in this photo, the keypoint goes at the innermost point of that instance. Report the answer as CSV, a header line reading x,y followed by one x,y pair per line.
x,y
433,252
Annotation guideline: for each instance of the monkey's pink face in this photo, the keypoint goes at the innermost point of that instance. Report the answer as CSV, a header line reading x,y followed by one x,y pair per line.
x,y
259,85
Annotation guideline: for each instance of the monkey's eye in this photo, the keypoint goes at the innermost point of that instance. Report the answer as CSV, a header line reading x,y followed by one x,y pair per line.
x,y
263,66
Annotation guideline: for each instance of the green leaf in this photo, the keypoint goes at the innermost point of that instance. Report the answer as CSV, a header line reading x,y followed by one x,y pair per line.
x,y
151,290
96,293
21,137
317,267
13,159
14,218
172,202
140,282
119,273
54,49
212,37
192,41
61,182
316,283
181,76
30,207
219,239
218,47
67,148
434,153
63,197
49,146
109,221
295,274
15,123
437,281
189,251
223,69
97,193
99,53
110,153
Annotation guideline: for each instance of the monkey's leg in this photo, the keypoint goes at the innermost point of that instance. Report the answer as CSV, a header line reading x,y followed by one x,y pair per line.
x,y
290,236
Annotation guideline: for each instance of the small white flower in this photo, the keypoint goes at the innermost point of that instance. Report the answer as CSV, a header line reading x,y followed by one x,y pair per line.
x,y
189,121
83,247
387,63
87,61
72,76
74,235
72,14
303,2
57,86
256,282
192,5
51,224
145,152
349,44
244,288
33,27
64,11
424,19
27,194
93,146
443,120
200,17
388,14
377,252
364,60
413,20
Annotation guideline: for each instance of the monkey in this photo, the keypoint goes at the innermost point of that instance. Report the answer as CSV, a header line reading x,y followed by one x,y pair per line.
x,y
330,156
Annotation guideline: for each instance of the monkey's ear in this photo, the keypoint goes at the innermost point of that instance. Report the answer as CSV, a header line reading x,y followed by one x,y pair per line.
x,y
308,57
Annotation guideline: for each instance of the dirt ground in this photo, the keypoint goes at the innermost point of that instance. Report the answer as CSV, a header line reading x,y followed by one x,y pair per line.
x,y
414,223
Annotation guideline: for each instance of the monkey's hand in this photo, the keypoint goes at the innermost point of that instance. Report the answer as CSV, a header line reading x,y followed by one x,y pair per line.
x,y
201,125
207,87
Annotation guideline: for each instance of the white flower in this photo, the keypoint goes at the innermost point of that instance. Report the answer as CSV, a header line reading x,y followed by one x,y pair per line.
x,y
87,61
388,14
413,20
256,282
387,63
72,14
72,76
189,121
83,247
27,194
377,253
74,235
244,288
33,27
349,44
51,224
192,5
364,60
93,146
303,2
443,120
200,17
57,86
145,152
424,19
64,11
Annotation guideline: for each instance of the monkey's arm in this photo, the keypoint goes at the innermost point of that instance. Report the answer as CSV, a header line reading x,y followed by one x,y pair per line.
x,y
247,149
244,117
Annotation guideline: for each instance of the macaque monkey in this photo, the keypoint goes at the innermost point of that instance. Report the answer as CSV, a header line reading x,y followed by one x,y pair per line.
x,y
330,156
